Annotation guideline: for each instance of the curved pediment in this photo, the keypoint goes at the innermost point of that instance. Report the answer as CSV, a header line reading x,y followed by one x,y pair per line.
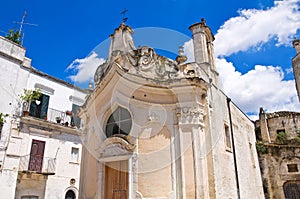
x,y
116,146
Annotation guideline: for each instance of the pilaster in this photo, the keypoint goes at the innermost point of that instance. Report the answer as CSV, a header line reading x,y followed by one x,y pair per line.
x,y
192,151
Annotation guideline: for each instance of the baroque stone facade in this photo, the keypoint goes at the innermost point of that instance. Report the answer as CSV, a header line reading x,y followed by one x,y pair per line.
x,y
161,128
278,146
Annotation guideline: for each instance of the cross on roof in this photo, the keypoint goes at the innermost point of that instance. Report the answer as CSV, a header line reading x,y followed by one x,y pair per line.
x,y
123,13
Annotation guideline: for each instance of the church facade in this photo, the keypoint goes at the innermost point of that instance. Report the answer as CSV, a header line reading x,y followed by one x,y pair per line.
x,y
162,128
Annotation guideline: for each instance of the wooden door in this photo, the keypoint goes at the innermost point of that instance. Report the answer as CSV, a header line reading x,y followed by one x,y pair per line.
x,y
292,190
36,156
116,180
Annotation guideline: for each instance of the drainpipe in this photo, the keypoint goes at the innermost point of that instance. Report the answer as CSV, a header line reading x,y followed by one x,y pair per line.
x,y
233,149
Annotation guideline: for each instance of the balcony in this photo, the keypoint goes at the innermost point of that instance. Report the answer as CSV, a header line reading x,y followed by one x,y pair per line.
x,y
53,114
67,118
36,164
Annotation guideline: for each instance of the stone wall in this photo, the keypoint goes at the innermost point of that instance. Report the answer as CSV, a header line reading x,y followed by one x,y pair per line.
x,y
279,150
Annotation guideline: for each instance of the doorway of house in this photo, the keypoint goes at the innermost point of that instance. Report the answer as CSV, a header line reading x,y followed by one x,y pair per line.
x,y
36,156
70,195
292,190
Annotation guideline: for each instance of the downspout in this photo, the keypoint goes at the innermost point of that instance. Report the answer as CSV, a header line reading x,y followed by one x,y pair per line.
x,y
233,149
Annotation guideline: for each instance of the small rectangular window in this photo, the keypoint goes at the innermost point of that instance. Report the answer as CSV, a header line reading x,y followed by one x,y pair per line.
x,y
74,154
292,167
227,137
280,131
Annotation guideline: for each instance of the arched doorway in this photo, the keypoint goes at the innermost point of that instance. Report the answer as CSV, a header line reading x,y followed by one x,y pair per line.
x,y
292,190
70,195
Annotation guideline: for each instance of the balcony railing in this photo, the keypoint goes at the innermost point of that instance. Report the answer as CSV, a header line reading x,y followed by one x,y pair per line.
x,y
53,114
66,117
34,164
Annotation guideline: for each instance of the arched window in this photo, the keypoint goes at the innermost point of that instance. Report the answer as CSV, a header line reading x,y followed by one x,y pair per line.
x,y
119,122
70,195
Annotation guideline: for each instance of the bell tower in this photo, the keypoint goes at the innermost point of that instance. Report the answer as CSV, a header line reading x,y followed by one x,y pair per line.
x,y
296,65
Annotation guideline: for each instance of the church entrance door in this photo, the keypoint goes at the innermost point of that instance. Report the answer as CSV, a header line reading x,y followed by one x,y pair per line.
x,y
116,180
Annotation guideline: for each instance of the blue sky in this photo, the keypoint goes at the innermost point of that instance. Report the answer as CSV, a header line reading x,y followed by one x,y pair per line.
x,y
253,39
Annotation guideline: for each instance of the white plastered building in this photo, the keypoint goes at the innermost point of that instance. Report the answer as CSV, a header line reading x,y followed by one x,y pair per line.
x,y
39,158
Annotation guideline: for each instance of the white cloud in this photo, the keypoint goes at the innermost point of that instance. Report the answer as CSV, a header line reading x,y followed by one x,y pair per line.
x,y
85,68
289,70
261,87
255,27
189,50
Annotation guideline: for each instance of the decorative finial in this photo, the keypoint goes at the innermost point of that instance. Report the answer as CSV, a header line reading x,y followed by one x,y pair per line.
x,y
123,13
203,21
180,51
90,88
181,57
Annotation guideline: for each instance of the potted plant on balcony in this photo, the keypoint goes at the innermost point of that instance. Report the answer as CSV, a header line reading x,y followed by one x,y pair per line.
x,y
69,113
72,122
45,116
2,120
27,97
58,119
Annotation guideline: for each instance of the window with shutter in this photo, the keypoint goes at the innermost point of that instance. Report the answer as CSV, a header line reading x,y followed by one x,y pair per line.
x,y
39,108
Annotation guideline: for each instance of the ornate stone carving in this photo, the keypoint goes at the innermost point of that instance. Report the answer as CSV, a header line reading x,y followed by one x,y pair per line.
x,y
191,115
151,65
114,150
115,146
99,74
138,195
144,61
134,163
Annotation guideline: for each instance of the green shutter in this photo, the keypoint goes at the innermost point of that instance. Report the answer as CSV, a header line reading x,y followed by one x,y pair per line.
x,y
44,105
75,119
